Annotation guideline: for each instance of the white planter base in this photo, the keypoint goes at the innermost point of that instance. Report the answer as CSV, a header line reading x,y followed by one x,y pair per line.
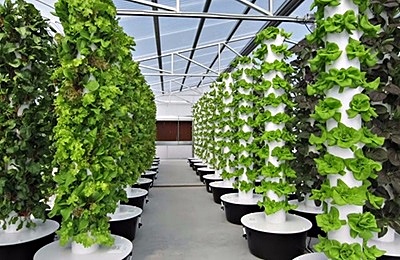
x,y
293,224
28,234
312,256
79,249
387,238
306,208
221,184
234,198
391,248
122,248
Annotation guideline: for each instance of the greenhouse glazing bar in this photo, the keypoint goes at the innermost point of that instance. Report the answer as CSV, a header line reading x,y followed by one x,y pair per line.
x,y
226,16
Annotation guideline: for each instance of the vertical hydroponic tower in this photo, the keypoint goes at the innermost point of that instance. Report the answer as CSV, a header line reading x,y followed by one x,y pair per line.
x,y
340,24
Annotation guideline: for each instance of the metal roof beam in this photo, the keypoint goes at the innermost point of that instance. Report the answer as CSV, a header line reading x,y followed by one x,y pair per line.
x,y
226,16
153,4
288,7
209,45
181,75
228,39
156,24
255,7
197,37
197,63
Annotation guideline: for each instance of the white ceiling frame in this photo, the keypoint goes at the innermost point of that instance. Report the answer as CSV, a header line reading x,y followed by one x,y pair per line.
x,y
198,63
194,89
257,8
172,56
156,5
213,44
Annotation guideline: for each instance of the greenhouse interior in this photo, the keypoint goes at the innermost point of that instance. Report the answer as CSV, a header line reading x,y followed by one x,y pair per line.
x,y
200,129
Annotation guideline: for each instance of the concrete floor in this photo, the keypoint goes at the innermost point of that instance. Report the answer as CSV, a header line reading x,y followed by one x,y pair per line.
x,y
184,223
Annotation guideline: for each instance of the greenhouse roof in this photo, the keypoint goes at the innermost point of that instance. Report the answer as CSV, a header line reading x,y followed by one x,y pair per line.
x,y
184,45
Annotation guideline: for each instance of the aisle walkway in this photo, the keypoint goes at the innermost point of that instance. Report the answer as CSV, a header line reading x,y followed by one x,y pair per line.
x,y
184,223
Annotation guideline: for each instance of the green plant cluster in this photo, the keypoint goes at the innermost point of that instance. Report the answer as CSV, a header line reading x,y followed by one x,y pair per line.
x,y
244,114
302,125
27,59
203,134
271,91
105,133
221,119
386,103
363,169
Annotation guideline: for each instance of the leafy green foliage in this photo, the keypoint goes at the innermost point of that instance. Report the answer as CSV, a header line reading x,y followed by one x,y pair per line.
x,y
330,221
282,153
105,131
362,225
244,186
270,33
271,206
327,109
355,49
362,167
343,135
325,56
306,176
361,105
334,250
343,195
342,22
386,104
330,164
27,60
343,78
323,3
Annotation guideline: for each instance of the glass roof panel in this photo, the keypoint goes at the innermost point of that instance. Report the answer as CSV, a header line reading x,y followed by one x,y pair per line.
x,y
220,6
276,4
186,5
178,34
143,34
126,4
215,31
173,39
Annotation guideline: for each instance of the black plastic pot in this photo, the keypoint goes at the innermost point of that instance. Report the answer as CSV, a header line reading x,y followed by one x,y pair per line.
x,y
125,228
204,171
56,218
208,181
25,251
197,166
145,186
271,246
218,192
315,230
192,162
234,212
153,169
386,257
150,175
137,200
